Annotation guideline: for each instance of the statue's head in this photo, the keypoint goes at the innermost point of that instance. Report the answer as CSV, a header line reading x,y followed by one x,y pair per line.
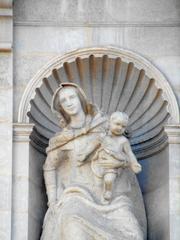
x,y
69,99
118,122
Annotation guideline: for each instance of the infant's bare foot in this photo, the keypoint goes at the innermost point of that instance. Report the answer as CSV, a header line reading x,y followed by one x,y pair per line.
x,y
107,195
136,167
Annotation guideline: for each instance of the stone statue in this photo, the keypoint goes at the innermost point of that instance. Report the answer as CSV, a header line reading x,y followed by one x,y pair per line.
x,y
76,177
115,153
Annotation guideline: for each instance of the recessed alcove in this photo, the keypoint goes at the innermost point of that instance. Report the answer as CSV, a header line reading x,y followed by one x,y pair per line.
x,y
114,79
112,84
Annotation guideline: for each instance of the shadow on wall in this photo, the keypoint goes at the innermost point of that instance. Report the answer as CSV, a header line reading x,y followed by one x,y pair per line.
x,y
154,183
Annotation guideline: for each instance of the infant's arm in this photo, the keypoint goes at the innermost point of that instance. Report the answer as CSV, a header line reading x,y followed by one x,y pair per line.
x,y
134,165
117,155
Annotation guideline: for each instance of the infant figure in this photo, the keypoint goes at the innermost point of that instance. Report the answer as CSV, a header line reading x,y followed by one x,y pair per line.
x,y
114,153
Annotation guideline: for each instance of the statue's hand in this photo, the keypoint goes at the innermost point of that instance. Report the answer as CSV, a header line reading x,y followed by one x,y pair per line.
x,y
91,148
81,158
136,167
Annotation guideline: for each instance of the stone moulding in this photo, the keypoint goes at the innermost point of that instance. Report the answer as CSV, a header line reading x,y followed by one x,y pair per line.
x,y
5,47
101,71
22,132
173,132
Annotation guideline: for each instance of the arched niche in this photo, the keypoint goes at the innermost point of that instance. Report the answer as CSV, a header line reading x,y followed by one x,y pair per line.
x,y
114,79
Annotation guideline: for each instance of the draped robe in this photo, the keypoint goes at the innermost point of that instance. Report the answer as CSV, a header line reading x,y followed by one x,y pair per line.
x,y
78,212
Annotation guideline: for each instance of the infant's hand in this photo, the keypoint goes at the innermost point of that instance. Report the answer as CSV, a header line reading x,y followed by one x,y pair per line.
x,y
82,157
136,167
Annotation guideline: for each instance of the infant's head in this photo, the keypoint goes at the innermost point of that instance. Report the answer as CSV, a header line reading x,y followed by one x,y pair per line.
x,y
118,123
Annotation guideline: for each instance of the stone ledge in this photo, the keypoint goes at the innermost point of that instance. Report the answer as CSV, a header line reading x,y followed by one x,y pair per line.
x,y
96,24
21,132
6,12
5,46
173,133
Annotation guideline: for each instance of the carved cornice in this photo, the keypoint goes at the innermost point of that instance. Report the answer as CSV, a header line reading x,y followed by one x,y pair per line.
x,y
5,46
96,24
6,12
22,132
173,133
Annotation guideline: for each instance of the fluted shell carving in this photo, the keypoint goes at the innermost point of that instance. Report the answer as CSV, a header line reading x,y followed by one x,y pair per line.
x,y
112,85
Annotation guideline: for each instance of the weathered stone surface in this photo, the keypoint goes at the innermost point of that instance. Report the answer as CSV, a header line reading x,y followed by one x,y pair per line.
x,y
32,53
108,11
173,132
45,29
93,164
170,66
5,140
154,182
28,189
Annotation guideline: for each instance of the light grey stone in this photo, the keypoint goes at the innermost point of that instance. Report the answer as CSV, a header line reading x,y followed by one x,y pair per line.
x,y
108,11
5,224
90,161
170,66
20,226
6,82
6,30
153,42
150,28
29,199
20,194
5,186
173,133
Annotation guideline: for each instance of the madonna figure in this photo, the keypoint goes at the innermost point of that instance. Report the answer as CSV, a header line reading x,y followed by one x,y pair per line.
x,y
76,210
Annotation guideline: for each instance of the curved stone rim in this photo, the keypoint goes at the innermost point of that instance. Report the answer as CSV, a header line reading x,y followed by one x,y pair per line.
x,y
126,55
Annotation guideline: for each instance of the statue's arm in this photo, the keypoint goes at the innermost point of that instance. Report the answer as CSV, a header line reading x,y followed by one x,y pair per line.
x,y
134,165
50,177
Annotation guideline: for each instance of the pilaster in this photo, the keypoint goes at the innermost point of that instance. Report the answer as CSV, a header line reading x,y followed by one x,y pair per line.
x,y
20,198
173,133
6,116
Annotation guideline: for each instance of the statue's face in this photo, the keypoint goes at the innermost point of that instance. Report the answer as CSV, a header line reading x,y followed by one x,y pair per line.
x,y
69,101
116,125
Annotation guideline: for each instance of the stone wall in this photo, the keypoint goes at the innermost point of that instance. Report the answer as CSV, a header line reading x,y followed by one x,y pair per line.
x,y
6,115
44,29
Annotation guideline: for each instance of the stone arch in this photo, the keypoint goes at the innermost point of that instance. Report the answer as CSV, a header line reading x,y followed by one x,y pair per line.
x,y
114,79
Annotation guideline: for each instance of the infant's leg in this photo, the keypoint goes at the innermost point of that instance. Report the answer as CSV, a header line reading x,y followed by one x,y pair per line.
x,y
109,179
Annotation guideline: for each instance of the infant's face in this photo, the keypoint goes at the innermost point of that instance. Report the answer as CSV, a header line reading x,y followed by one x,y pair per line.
x,y
116,125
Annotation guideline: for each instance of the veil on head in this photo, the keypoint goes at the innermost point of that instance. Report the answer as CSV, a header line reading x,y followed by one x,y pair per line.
x,y
57,109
